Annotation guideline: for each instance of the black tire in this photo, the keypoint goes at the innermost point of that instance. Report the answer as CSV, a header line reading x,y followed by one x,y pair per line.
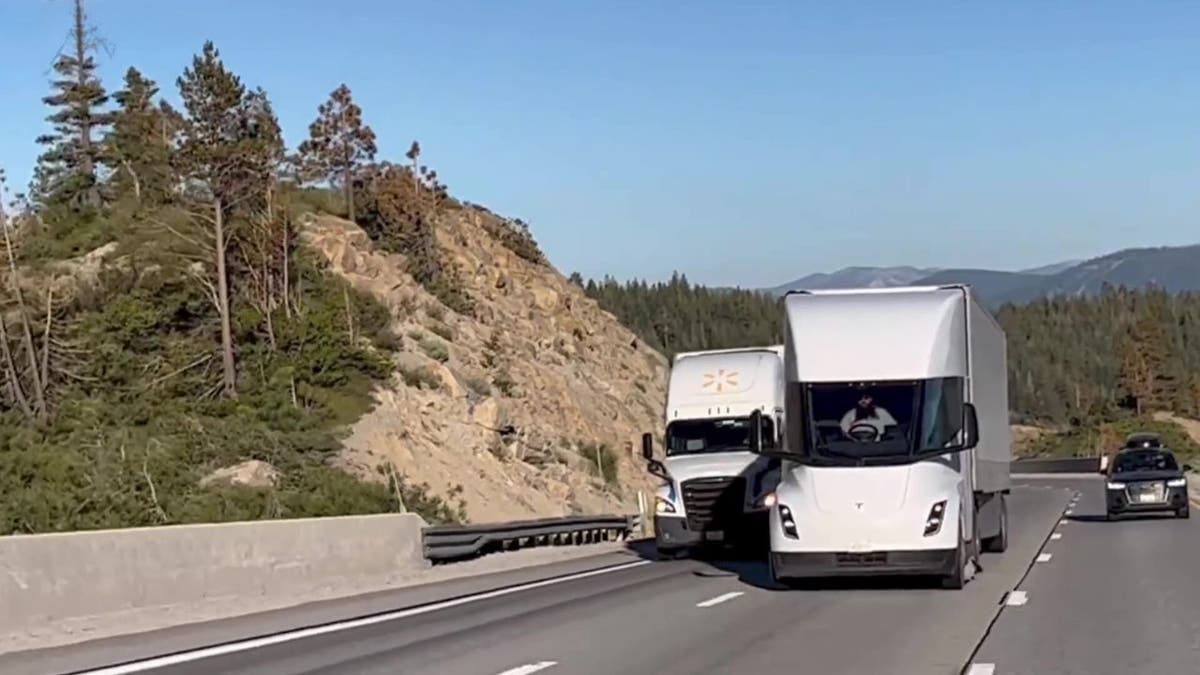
x,y
999,543
1110,516
957,579
669,552
1185,512
773,575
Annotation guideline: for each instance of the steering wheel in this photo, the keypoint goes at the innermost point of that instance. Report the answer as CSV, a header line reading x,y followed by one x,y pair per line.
x,y
863,432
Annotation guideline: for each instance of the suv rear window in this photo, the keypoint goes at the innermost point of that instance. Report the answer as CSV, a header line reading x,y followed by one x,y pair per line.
x,y
1145,460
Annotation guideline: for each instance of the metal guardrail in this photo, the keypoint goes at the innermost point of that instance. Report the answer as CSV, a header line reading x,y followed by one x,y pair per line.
x,y
443,543
1056,465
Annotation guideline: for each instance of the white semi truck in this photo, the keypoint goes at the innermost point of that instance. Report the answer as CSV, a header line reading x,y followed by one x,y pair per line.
x,y
896,452
713,485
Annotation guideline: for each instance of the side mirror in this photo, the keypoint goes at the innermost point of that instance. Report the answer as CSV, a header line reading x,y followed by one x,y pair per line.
x,y
970,427
656,468
647,446
756,431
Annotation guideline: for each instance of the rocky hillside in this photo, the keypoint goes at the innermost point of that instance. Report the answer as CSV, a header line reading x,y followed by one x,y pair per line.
x,y
532,406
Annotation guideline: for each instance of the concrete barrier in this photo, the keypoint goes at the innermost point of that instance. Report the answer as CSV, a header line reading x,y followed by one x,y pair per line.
x,y
1056,465
46,578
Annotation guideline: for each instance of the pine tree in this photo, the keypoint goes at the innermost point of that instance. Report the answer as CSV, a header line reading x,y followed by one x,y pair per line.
x,y
339,144
139,146
220,166
69,166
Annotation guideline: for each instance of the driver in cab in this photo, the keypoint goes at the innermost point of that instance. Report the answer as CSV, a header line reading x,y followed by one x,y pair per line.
x,y
866,416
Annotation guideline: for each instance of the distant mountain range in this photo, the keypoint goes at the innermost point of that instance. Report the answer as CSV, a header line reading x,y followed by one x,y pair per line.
x,y
1173,268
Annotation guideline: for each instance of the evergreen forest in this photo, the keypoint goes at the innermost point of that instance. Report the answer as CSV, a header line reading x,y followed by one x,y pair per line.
x,y
1075,363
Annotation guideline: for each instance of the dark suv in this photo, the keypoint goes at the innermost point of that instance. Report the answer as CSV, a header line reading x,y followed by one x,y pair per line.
x,y
1144,477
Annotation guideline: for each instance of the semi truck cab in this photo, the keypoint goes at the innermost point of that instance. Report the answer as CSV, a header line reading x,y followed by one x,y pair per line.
x,y
895,458
715,490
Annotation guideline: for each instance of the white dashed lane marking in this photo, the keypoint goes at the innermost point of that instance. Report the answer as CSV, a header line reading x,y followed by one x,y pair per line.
x,y
982,669
1016,598
719,599
1044,557
529,668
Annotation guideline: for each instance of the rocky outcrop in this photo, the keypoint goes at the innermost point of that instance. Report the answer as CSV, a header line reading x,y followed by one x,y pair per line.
x,y
251,473
505,409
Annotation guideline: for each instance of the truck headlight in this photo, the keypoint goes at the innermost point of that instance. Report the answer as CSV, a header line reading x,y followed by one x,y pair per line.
x,y
933,524
1114,485
789,523
663,506
1177,482
766,501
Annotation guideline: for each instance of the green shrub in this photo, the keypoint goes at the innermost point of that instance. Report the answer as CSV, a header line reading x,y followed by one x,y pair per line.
x,y
435,349
442,330
420,378
602,459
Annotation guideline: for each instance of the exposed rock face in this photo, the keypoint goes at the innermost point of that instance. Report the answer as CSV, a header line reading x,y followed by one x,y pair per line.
x,y
499,403
251,473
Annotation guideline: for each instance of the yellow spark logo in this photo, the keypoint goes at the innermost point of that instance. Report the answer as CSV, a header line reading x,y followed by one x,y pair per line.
x,y
720,379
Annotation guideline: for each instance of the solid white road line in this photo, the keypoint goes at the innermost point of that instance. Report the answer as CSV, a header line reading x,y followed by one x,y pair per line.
x,y
530,668
719,599
1044,557
254,643
1016,598
982,669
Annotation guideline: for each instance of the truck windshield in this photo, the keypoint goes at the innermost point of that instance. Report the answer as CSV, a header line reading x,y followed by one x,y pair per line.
x,y
874,422
729,434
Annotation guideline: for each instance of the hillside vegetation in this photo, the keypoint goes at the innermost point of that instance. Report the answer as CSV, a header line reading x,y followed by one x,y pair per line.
x,y
183,338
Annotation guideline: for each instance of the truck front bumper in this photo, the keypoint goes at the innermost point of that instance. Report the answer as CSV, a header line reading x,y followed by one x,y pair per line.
x,y
748,529
875,563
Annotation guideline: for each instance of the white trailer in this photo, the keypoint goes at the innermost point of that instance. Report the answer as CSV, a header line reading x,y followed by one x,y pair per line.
x,y
897,446
713,486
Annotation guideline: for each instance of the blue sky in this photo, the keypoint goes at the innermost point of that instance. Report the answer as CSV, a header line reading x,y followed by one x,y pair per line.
x,y
742,143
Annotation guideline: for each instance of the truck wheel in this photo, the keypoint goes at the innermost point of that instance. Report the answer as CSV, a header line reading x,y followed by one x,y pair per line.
x,y
957,578
776,580
1185,512
669,552
999,543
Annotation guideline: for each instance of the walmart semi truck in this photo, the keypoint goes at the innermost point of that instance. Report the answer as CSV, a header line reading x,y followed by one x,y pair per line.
x,y
895,457
715,491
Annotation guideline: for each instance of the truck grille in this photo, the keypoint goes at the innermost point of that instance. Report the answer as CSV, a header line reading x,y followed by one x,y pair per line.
x,y
713,502
1146,492
872,559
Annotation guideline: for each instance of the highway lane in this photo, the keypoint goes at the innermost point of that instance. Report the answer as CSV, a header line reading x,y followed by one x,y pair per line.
x,y
683,616
1113,598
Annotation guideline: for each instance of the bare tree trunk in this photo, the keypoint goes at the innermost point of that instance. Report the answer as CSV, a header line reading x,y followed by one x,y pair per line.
x,y
85,122
39,391
230,371
286,291
349,315
46,334
269,299
10,371
137,184
347,179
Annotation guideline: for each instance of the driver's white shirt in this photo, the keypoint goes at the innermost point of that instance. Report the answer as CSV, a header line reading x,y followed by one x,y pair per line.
x,y
881,421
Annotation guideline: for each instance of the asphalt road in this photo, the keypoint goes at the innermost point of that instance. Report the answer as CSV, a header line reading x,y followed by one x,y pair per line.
x,y
1119,598
693,616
